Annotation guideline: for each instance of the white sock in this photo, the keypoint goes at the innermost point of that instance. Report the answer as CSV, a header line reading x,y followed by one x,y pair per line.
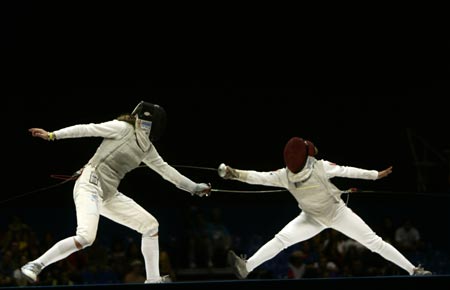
x,y
266,252
59,251
150,251
392,254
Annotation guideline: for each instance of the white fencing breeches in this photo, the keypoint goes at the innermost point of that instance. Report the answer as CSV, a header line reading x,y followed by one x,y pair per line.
x,y
304,227
89,206
119,208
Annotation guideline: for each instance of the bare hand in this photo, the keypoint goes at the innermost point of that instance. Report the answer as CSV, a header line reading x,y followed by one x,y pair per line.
x,y
38,132
385,172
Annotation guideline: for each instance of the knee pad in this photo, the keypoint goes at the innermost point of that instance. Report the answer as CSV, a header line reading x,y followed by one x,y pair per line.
x,y
281,242
84,242
375,244
150,228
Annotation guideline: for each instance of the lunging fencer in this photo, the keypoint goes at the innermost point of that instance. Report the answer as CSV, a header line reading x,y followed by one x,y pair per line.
x,y
308,180
127,142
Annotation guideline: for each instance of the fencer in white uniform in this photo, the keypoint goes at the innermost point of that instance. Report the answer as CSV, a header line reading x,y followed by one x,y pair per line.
x,y
308,180
127,142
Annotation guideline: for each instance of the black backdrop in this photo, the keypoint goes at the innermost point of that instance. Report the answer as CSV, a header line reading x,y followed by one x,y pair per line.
x,y
233,93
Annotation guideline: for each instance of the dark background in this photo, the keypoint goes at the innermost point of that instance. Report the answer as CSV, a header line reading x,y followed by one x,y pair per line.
x,y
235,87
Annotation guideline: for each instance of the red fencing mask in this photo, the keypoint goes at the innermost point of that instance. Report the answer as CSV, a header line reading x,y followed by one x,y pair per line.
x,y
296,152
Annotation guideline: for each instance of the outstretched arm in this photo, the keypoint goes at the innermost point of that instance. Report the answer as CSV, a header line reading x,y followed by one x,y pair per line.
x,y
271,178
384,173
41,133
109,129
334,170
155,162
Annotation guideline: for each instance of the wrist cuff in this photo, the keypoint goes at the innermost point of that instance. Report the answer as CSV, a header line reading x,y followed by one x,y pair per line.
x,y
51,136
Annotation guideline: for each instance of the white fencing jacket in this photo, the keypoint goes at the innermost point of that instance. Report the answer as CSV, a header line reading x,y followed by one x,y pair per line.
x,y
311,187
119,153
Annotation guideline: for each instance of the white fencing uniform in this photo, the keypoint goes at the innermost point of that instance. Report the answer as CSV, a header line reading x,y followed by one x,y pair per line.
x,y
96,193
322,208
118,154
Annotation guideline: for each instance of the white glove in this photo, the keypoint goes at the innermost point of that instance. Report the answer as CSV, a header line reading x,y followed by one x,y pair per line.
x,y
226,172
202,189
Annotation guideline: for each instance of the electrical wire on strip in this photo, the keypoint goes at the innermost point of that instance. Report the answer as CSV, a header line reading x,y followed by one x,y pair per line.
x,y
188,166
229,190
67,178
248,191
225,190
388,192
64,178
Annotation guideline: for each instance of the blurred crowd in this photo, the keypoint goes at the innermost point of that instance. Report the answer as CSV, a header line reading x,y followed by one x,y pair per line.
x,y
203,246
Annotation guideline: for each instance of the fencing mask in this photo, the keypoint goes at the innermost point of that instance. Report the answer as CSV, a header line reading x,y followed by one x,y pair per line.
x,y
151,119
296,152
